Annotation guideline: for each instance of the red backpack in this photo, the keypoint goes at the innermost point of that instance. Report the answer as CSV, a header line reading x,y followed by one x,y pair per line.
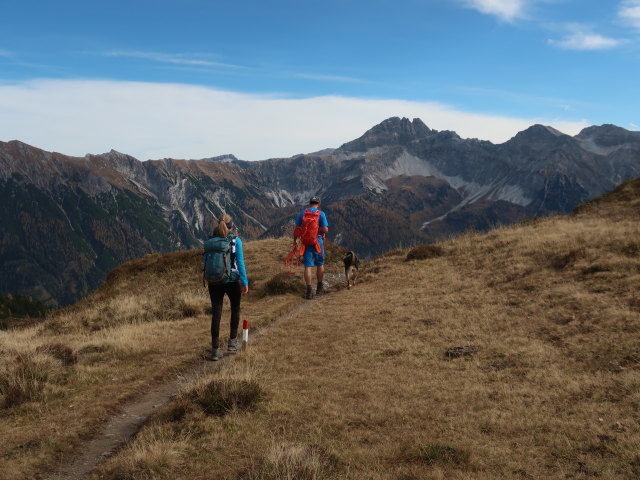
x,y
309,230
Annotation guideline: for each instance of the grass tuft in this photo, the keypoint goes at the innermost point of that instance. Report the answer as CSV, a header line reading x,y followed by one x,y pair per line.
x,y
461,351
222,396
26,378
294,462
434,454
423,252
160,456
281,284
190,305
564,260
60,351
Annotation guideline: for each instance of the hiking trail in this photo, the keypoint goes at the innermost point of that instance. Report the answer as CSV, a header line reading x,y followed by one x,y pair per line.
x,y
132,415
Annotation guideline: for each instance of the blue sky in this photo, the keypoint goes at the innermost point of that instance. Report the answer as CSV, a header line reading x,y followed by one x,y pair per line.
x,y
196,78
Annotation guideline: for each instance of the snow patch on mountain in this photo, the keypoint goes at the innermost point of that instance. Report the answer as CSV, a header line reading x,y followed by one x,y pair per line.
x,y
283,198
410,165
280,198
590,145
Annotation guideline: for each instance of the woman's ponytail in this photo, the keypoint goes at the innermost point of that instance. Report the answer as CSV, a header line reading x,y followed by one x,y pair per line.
x,y
223,228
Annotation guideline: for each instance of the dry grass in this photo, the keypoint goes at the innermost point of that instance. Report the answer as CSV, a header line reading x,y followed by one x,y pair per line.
x,y
422,252
358,385
293,462
60,379
364,388
280,284
28,376
162,455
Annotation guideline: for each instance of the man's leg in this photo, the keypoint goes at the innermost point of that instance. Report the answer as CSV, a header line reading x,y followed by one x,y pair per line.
x,y
307,279
319,262
320,276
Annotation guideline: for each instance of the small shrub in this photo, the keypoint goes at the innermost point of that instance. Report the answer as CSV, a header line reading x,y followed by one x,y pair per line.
x,y
57,350
221,396
423,252
281,284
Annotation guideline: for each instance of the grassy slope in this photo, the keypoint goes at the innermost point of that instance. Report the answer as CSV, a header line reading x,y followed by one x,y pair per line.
x,y
357,385
148,323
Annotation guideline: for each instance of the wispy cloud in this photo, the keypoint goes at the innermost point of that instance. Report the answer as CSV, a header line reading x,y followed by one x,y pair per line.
x,y
328,78
581,37
634,126
5,53
564,104
154,120
629,12
506,10
191,60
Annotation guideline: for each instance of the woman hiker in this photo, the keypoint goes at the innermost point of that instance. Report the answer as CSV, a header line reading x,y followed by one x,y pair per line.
x,y
223,254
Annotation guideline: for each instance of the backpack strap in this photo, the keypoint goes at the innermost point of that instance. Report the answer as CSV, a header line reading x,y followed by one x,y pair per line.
x,y
232,247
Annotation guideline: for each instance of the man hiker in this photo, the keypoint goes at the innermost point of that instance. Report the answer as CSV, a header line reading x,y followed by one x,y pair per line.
x,y
312,227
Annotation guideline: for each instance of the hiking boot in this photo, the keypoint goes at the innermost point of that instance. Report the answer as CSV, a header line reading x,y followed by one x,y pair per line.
x,y
232,346
320,289
309,294
216,354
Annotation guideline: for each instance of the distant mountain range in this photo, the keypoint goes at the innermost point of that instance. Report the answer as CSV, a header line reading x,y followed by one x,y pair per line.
x,y
66,221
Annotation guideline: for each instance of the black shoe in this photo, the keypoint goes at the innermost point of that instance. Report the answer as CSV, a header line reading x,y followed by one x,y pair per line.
x,y
309,294
320,289
214,355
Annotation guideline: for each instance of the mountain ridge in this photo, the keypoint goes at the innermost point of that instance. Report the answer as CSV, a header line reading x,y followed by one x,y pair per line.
x,y
399,183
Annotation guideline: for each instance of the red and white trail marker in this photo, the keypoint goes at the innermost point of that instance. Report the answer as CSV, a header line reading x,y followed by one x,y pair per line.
x,y
245,334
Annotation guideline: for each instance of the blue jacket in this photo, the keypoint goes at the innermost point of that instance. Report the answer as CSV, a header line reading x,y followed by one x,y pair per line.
x,y
240,262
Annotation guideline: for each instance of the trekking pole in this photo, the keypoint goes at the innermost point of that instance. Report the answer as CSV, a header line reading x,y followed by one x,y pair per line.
x,y
245,334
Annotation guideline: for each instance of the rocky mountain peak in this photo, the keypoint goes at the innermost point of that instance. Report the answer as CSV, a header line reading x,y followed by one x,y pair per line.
x,y
537,133
392,131
608,135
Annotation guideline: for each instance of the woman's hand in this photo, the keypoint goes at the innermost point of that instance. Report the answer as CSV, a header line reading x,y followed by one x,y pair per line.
x,y
245,290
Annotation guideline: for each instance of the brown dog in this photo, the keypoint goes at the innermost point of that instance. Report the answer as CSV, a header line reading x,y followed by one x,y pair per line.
x,y
351,265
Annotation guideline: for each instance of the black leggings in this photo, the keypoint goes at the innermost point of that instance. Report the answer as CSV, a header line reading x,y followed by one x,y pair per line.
x,y
216,292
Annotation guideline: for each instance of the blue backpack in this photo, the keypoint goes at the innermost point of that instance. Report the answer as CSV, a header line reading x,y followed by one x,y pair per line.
x,y
220,260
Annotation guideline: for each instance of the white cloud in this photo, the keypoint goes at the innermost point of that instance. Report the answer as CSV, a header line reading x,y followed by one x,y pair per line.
x,y
507,10
5,53
153,120
174,59
629,12
634,126
581,38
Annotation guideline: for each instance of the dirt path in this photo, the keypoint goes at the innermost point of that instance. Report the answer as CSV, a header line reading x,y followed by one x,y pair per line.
x,y
131,416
